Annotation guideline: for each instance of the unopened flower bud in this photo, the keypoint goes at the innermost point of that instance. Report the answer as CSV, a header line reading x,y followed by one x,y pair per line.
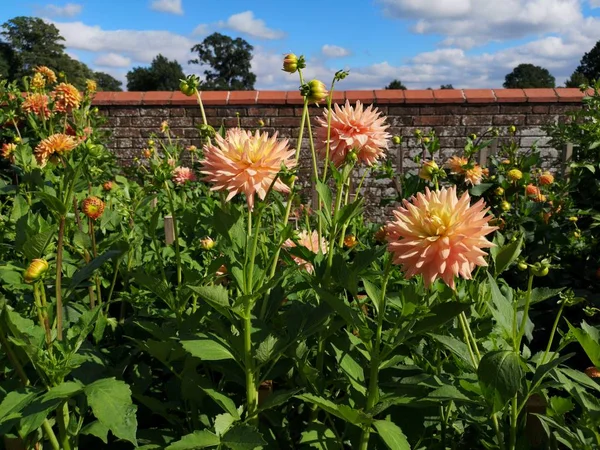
x,y
426,140
317,91
573,219
397,140
351,157
499,191
515,174
505,206
512,129
107,186
261,123
506,162
207,243
36,270
92,207
540,270
151,142
290,63
192,148
428,170
592,372
473,136
546,179
522,265
17,140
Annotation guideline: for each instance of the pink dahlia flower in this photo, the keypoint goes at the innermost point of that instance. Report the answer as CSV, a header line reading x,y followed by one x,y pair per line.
x,y
182,175
311,242
438,235
354,128
246,162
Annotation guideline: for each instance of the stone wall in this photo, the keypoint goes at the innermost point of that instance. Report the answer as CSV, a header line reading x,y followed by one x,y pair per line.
x,y
454,114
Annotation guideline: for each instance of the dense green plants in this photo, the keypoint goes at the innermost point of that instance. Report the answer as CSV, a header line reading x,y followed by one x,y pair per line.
x,y
199,304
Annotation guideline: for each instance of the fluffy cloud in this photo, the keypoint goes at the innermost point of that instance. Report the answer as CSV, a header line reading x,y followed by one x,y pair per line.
x,y
246,23
68,10
467,23
112,60
334,51
201,30
168,6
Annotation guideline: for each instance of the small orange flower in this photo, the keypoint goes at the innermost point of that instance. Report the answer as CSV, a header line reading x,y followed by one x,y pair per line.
x,y
60,144
92,207
47,72
8,150
183,175
532,191
350,241
381,234
107,186
474,175
192,148
546,179
36,104
66,97
486,172
207,243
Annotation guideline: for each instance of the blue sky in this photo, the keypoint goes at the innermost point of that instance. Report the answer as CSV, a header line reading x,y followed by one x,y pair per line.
x,y
425,43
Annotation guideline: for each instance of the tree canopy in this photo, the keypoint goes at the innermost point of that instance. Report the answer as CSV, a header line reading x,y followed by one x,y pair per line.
x,y
588,69
162,75
529,76
229,61
446,86
396,84
107,82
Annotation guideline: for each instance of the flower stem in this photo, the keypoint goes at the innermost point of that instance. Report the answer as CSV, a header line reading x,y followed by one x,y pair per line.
x,y
59,258
49,432
554,327
62,419
373,390
95,253
521,329
175,232
328,143
251,389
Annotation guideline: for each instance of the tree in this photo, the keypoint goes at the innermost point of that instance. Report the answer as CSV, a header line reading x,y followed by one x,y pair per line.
x,y
162,75
529,76
8,62
576,80
107,83
75,72
229,62
34,43
589,65
396,84
446,86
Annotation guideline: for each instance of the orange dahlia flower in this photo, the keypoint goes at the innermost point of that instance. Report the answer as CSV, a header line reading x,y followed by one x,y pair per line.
x,y
438,235
66,97
36,104
311,242
354,128
8,150
474,175
47,72
92,207
456,163
182,175
247,163
546,178
60,144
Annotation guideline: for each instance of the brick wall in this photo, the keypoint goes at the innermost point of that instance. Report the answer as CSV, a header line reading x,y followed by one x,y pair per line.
x,y
453,114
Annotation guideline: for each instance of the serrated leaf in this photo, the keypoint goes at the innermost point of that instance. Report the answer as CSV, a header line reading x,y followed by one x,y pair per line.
x,y
589,339
278,398
223,422
53,203
197,439
457,347
392,435
502,309
243,437
98,429
36,245
439,315
110,400
216,296
320,437
507,255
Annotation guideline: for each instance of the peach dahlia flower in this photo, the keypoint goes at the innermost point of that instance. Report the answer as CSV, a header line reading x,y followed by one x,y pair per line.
x,y
60,144
66,97
247,163
354,128
47,72
36,104
311,242
182,175
456,163
438,235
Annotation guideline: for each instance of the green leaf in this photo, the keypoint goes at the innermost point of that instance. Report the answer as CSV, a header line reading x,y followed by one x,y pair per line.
x,y
205,347
500,375
457,347
502,309
353,370
374,294
320,436
589,338
439,315
344,412
223,423
36,245
19,209
392,435
86,272
507,255
243,437
325,194
98,429
480,189
110,400
53,203
541,294
12,406
216,296
197,439
448,392
544,369
278,398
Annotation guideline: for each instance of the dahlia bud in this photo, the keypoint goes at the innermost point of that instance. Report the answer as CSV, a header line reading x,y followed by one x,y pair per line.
x,y
505,206
473,136
515,174
546,179
151,142
499,191
506,162
592,372
540,270
290,63
397,140
206,131
522,265
146,153
418,132
92,207
350,241
512,129
351,157
573,219
95,110
189,85
36,270
381,234
107,186
428,170
316,91
261,123
164,126
576,234
17,139
207,243
192,148
532,191
426,140
91,86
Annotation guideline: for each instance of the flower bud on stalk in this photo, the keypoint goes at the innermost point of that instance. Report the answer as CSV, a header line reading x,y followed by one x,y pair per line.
x,y
36,270
290,63
92,207
428,170
315,91
207,243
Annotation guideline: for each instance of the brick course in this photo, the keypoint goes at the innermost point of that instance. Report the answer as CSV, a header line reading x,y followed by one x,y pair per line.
x,y
454,114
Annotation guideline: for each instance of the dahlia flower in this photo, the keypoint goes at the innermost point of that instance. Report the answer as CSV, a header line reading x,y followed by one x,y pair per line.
x,y
66,97
456,163
91,86
311,242
354,128
514,175
47,72
60,144
474,175
36,104
8,151
246,162
38,82
92,207
546,178
438,235
182,175
36,270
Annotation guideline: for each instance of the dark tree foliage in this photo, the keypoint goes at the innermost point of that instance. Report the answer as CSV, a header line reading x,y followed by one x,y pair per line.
x,y
162,75
8,63
576,80
589,65
229,62
446,86
529,76
396,84
107,82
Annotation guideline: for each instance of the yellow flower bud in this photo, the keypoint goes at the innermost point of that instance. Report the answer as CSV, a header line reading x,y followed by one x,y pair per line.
x,y
515,174
499,191
317,91
505,206
36,270
396,140
573,219
428,169
290,63
207,243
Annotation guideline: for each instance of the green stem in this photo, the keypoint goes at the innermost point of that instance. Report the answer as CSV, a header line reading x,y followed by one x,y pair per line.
x,y
251,388
175,232
470,333
59,258
40,303
521,330
49,432
95,254
514,417
499,434
373,390
328,143
62,419
113,283
554,327
330,250
464,326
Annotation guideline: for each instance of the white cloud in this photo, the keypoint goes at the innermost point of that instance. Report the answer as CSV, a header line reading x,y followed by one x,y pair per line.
x,y
201,30
68,10
246,23
112,60
595,3
139,45
334,51
467,23
168,6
